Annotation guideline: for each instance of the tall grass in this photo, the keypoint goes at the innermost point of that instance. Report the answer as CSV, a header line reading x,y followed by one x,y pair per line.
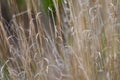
x,y
59,40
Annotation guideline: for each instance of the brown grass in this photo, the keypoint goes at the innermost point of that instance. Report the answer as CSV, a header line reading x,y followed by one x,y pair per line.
x,y
79,40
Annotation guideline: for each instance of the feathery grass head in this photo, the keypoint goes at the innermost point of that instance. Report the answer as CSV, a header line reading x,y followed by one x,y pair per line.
x,y
59,40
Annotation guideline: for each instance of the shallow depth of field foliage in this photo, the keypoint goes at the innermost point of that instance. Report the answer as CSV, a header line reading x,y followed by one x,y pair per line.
x,y
59,39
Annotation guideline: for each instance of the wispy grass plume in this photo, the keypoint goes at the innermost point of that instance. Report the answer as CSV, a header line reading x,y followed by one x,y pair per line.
x,y
59,39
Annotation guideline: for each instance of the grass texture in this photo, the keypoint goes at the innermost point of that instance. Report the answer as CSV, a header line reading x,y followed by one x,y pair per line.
x,y
59,40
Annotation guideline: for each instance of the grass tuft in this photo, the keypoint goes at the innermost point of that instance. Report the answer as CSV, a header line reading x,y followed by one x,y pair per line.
x,y
59,40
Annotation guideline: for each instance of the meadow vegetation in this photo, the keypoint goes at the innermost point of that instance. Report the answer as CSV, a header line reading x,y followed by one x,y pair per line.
x,y
59,40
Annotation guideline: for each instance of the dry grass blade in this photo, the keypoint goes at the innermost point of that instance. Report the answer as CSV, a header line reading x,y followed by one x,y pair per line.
x,y
59,39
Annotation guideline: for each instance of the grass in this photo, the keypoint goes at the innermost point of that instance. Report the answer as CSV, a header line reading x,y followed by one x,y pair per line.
x,y
59,40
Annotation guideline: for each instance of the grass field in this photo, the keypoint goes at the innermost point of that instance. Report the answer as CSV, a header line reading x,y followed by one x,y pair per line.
x,y
59,40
